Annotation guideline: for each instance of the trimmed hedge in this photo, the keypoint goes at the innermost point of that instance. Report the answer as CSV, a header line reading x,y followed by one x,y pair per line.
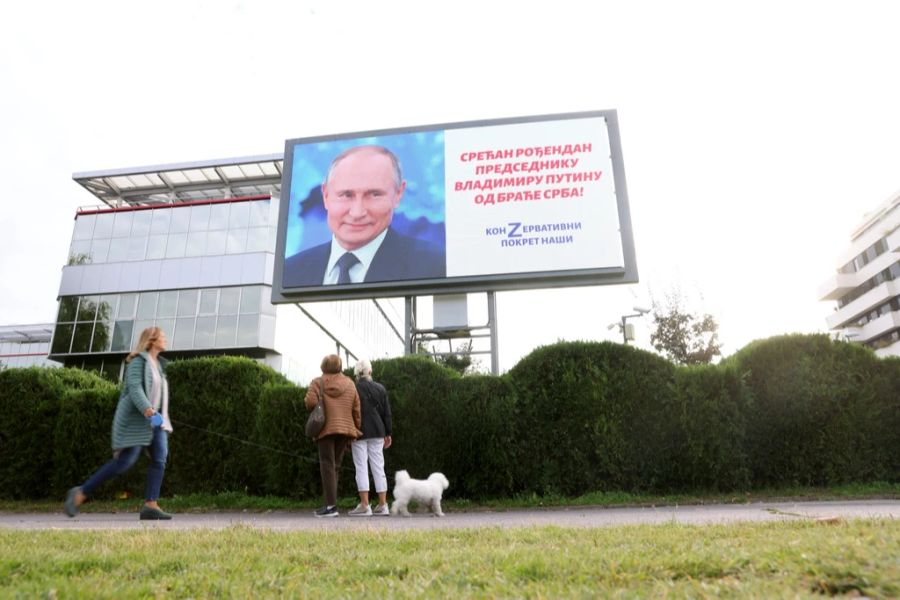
x,y
570,418
589,418
291,461
29,416
823,411
215,401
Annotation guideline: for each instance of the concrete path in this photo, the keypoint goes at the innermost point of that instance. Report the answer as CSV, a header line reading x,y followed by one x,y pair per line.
x,y
566,517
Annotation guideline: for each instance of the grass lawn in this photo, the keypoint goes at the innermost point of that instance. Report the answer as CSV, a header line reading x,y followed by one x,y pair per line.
x,y
760,560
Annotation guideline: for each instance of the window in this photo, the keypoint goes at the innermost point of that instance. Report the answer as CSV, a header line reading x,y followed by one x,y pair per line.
x,y
104,226
187,303
84,227
67,308
248,325
141,225
218,216
100,250
87,308
147,305
181,218
121,341
184,334
229,301
122,224
226,331
168,301
161,220
200,217
250,300
127,304
208,301
62,338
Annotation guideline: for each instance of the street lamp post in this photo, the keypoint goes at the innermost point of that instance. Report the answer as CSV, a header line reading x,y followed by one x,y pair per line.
x,y
641,311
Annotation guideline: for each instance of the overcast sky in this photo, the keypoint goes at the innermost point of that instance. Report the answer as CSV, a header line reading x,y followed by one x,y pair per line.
x,y
754,138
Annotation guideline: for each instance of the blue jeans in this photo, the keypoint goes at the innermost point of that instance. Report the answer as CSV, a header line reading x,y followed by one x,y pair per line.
x,y
124,459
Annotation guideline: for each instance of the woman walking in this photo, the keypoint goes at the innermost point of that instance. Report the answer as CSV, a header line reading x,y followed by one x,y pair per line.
x,y
141,421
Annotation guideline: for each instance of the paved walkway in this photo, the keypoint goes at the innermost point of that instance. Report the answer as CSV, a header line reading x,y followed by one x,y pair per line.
x,y
567,517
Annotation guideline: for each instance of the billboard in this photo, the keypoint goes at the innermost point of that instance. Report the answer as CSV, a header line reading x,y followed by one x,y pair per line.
x,y
490,205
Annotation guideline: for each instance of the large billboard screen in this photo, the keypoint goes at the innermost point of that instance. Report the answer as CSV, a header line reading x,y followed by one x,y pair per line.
x,y
490,205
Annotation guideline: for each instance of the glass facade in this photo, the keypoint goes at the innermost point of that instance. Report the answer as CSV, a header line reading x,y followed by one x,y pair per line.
x,y
227,227
193,319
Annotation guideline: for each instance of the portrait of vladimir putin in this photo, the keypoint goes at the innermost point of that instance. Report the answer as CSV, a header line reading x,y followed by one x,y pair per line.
x,y
362,188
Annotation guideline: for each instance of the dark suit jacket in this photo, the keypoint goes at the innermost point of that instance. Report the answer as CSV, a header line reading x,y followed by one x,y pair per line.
x,y
399,258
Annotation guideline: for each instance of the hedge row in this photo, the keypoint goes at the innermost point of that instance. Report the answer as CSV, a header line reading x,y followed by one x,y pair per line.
x,y
570,418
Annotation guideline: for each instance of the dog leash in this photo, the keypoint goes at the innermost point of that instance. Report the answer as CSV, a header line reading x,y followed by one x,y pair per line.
x,y
249,443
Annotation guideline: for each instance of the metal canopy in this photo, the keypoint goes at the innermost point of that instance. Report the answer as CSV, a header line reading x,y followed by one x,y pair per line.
x,y
185,182
41,332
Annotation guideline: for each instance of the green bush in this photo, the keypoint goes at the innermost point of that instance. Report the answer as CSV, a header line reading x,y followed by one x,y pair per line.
x,y
82,439
709,415
291,464
213,407
419,392
476,437
570,418
591,416
819,411
29,409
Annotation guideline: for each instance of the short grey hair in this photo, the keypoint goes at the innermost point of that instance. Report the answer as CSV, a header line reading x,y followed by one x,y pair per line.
x,y
363,369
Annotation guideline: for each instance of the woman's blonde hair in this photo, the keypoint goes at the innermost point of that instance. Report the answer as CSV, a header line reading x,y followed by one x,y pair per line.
x,y
148,337
331,364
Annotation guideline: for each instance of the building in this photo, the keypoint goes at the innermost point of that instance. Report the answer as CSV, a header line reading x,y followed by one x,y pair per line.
x,y
867,283
190,248
26,346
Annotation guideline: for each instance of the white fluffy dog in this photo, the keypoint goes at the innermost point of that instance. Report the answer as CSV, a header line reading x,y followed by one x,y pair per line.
x,y
427,492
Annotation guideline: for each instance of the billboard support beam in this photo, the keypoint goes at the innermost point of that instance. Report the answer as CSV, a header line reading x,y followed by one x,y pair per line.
x,y
414,336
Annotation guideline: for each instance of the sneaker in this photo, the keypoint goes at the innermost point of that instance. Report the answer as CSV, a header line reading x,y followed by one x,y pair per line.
x,y
154,514
382,510
327,511
69,506
361,511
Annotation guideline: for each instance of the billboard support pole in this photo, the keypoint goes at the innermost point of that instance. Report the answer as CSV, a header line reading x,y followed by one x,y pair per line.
x,y
492,319
409,324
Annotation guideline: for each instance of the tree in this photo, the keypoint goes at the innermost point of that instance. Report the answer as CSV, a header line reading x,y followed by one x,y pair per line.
x,y
459,361
684,337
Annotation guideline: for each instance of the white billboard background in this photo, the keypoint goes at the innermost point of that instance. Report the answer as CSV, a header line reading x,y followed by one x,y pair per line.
x,y
531,197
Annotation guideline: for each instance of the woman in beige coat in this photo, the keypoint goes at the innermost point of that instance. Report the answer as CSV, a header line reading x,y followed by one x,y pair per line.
x,y
342,422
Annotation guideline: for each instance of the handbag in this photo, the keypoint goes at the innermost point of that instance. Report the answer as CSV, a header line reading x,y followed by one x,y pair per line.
x,y
316,420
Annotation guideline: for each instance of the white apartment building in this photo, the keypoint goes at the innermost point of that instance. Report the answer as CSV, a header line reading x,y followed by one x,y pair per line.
x,y
867,283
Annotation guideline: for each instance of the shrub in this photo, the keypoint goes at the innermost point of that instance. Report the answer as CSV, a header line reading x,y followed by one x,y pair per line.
x,y
29,409
591,416
214,405
819,409
291,466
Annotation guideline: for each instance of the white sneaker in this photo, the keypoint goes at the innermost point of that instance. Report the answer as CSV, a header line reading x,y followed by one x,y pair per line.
x,y
382,510
361,511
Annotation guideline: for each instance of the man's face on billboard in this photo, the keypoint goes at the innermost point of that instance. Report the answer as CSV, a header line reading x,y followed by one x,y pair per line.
x,y
360,197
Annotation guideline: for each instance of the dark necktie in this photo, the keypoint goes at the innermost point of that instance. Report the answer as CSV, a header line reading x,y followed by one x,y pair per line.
x,y
345,263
